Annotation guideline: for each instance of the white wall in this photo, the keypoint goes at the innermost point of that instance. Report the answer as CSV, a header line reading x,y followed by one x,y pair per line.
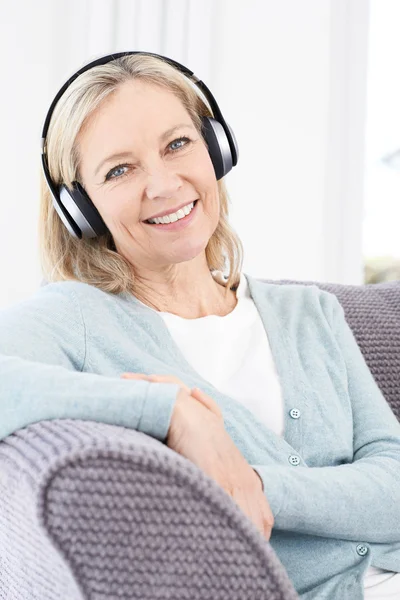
x,y
285,78
291,78
382,183
272,77
25,86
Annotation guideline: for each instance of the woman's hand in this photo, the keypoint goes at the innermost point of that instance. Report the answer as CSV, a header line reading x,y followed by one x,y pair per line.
x,y
197,432
206,400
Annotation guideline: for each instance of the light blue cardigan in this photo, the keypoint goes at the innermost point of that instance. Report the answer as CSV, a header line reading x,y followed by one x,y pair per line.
x,y
333,480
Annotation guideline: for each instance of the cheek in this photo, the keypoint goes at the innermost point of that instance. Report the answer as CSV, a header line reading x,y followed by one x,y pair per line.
x,y
117,206
203,178
204,165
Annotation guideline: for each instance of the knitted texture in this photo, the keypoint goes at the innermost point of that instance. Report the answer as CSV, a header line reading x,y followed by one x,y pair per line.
x,y
131,519
372,312
30,566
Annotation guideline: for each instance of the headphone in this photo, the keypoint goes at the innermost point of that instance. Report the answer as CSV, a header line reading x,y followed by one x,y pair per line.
x,y
74,207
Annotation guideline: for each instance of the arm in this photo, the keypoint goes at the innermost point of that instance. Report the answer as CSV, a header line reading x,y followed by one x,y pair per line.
x,y
353,501
42,352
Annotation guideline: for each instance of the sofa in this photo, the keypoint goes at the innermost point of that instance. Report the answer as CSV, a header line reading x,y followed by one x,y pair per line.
x,y
94,511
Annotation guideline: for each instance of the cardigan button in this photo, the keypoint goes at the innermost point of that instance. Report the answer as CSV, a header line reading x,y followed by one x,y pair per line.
x,y
295,413
361,549
294,460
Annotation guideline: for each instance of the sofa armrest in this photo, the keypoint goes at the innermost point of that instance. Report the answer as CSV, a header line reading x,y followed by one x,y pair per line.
x,y
114,513
31,567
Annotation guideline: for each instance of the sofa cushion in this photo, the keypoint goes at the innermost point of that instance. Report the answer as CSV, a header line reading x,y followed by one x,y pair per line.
x,y
373,314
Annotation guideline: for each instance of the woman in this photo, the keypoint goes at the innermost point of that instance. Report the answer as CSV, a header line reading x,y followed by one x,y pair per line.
x,y
262,386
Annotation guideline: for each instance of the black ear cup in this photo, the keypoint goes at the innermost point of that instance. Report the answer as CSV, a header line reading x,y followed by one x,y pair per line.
x,y
218,146
235,147
82,210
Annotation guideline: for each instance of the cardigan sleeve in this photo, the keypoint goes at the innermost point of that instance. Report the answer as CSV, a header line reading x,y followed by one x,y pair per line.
x,y
357,501
42,356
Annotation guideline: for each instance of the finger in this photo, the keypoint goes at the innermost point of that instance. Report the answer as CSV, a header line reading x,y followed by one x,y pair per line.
x,y
169,379
208,402
246,504
260,480
134,376
157,379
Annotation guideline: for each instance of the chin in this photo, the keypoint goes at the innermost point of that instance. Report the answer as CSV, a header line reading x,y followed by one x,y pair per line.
x,y
189,251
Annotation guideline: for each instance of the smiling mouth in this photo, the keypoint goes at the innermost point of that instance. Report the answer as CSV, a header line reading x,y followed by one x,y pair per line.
x,y
177,221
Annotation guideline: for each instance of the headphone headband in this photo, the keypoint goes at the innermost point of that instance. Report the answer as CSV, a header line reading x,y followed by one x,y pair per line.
x,y
110,57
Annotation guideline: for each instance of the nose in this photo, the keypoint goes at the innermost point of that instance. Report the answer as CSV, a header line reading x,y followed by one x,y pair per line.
x,y
162,181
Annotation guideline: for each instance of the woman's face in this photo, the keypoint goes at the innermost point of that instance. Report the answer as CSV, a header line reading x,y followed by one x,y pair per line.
x,y
140,155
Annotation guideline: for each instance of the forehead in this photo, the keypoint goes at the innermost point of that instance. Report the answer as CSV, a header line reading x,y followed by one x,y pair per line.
x,y
136,108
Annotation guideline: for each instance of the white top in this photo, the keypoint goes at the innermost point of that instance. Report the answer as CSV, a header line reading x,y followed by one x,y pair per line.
x,y
232,351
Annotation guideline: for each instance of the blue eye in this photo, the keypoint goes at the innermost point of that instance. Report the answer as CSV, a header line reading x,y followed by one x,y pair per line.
x,y
181,139
115,170
113,174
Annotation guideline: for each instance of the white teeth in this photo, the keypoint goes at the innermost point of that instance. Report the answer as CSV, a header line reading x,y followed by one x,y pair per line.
x,y
180,214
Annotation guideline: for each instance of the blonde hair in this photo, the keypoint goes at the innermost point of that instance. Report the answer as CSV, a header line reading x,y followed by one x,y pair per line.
x,y
95,261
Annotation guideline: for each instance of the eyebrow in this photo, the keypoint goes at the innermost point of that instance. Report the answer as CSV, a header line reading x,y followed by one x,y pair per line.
x,y
121,155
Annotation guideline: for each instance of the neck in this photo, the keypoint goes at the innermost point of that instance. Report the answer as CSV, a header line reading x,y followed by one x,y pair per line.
x,y
190,296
